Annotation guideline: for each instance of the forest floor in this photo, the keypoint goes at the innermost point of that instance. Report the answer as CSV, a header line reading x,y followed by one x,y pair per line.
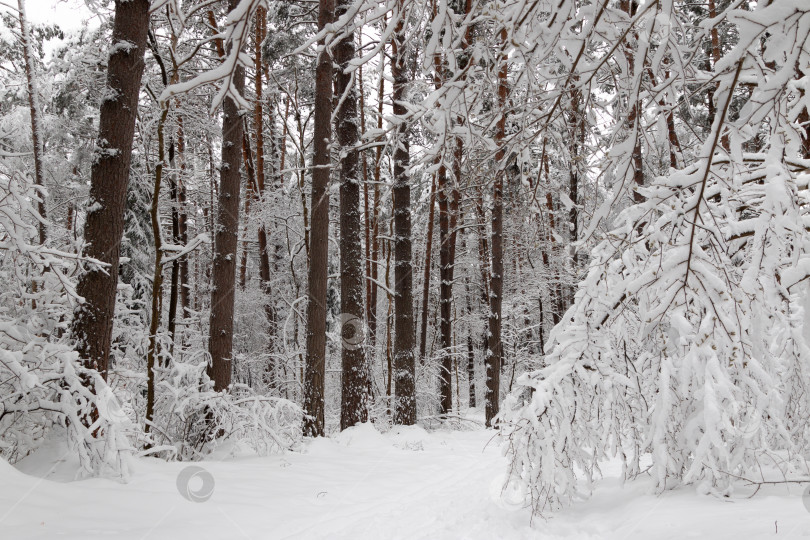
x,y
408,483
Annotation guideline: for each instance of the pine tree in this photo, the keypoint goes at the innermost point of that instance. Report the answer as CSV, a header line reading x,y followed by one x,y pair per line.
x,y
353,351
319,235
404,342
104,225
494,353
220,345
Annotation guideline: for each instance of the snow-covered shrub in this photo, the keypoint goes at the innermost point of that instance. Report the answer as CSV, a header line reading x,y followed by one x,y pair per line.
x,y
43,386
688,338
191,418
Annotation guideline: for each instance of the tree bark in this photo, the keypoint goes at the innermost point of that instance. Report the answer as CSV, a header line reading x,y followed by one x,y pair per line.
x,y
449,199
174,193
319,236
470,339
483,262
157,279
354,380
258,121
220,345
423,321
804,120
250,193
495,346
575,126
445,296
367,220
181,202
104,225
375,212
404,365
633,115
33,105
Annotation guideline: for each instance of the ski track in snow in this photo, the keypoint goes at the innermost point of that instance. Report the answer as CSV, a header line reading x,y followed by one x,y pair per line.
x,y
406,484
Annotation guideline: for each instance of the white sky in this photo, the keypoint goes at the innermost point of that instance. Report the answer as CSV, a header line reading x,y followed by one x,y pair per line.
x,y
68,14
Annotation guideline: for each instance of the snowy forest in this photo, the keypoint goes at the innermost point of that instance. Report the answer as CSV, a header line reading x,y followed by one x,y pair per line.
x,y
494,268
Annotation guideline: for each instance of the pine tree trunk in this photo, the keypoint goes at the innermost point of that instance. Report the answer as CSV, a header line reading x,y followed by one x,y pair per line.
x,y
404,365
174,193
483,262
367,219
450,197
182,213
557,307
375,233
574,148
264,256
389,359
715,55
449,201
426,276
157,279
495,346
319,236
185,291
804,120
470,339
250,194
445,296
220,345
633,116
354,395
104,225
33,105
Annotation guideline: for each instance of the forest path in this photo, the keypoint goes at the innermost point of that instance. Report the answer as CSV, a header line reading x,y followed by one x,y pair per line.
x,y
408,483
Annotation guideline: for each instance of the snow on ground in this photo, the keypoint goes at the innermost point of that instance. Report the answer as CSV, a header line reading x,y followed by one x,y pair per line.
x,y
362,484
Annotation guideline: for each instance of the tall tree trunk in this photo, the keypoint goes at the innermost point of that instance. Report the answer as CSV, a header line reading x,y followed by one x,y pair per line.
x,y
445,296
633,115
470,339
220,344
715,54
33,105
445,287
449,199
367,219
178,206
258,121
389,358
556,292
375,242
483,261
174,193
804,120
250,193
319,235
354,395
423,321
104,225
575,125
404,365
185,291
157,279
495,346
